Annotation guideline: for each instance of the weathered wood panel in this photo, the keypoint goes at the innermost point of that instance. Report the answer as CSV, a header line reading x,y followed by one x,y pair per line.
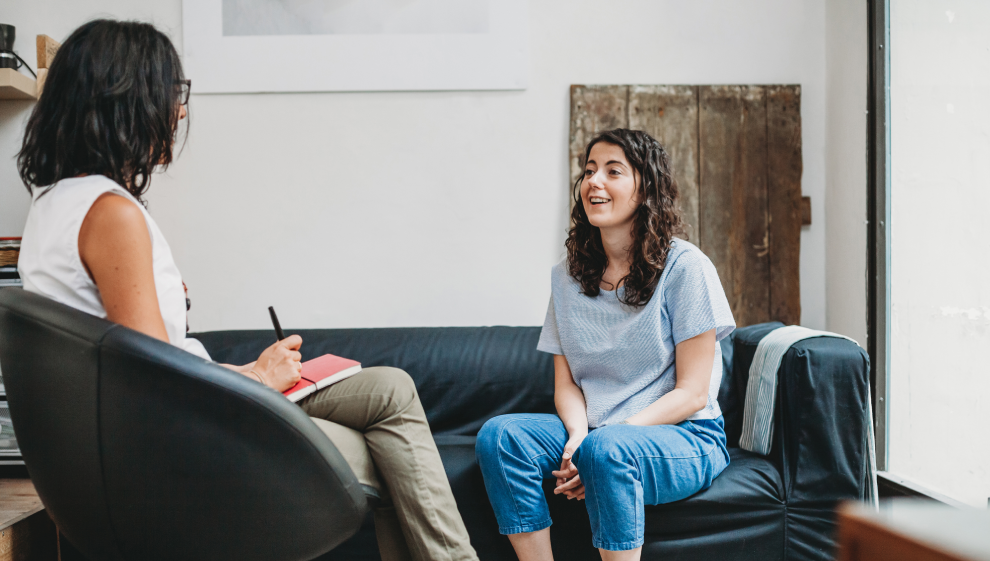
x,y
594,109
670,115
784,169
733,204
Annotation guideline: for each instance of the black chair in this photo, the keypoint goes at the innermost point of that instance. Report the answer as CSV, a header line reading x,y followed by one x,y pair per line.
x,y
140,450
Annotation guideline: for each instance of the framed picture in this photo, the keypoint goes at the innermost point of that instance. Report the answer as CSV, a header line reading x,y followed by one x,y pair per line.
x,y
241,46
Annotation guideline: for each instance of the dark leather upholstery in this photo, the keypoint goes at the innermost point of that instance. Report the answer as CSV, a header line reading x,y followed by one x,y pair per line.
x,y
142,451
760,508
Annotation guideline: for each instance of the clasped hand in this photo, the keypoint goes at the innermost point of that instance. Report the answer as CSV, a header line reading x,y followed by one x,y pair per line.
x,y
568,479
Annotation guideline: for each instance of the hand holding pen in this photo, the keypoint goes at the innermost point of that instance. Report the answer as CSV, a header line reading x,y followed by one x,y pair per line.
x,y
280,365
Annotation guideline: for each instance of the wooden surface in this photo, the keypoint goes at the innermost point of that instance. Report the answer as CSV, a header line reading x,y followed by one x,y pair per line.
x,y
31,539
670,115
784,169
594,109
913,530
42,78
18,500
47,47
736,158
14,85
734,214
26,532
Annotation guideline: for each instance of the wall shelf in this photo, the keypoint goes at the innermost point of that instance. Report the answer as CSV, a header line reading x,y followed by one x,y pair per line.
x,y
14,85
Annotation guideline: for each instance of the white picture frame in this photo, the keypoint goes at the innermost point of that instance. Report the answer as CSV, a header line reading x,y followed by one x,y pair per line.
x,y
494,58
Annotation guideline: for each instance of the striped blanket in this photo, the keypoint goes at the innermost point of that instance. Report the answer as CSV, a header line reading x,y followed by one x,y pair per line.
x,y
761,391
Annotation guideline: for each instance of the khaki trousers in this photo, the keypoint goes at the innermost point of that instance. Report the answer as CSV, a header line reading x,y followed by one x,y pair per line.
x,y
382,406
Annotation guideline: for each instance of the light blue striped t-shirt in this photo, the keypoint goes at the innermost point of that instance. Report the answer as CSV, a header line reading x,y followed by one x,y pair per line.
x,y
622,357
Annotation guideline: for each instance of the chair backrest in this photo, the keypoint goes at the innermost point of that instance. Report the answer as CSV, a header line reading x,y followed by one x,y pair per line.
x,y
140,450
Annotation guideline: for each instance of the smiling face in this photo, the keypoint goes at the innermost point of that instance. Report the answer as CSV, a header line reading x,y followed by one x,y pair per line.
x,y
610,188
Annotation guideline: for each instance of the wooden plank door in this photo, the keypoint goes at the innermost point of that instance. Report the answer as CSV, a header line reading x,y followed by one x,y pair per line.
x,y
784,168
734,216
736,158
670,115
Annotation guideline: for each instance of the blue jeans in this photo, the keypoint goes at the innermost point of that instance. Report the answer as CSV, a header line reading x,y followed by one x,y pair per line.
x,y
622,467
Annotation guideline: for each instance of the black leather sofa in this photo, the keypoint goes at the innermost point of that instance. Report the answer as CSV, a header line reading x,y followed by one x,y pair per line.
x,y
762,508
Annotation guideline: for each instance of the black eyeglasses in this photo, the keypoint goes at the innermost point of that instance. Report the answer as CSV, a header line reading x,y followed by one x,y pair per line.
x,y
184,88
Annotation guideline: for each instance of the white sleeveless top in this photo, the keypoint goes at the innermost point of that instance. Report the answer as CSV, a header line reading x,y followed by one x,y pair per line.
x,y
49,262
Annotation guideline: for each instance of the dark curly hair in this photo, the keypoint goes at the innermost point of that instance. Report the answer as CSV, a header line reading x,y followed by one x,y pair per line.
x,y
657,221
110,107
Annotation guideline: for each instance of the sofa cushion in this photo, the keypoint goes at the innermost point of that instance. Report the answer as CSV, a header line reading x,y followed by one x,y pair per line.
x,y
739,517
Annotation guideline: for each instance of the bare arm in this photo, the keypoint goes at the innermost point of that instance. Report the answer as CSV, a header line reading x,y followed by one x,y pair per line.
x,y
573,412
569,399
693,360
115,249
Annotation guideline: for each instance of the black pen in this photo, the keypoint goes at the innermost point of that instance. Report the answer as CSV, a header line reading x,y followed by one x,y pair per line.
x,y
278,328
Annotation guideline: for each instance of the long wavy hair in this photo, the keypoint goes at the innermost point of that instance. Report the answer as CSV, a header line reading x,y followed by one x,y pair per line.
x,y
656,222
110,107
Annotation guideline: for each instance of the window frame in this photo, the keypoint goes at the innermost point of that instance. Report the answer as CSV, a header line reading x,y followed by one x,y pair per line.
x,y
878,208
878,218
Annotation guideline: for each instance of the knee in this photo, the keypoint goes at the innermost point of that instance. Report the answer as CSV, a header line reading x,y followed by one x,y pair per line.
x,y
486,446
396,384
602,447
494,434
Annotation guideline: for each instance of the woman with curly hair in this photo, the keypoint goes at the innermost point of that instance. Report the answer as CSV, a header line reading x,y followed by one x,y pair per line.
x,y
634,322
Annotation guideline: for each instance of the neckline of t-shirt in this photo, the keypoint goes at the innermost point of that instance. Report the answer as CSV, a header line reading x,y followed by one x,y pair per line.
x,y
600,289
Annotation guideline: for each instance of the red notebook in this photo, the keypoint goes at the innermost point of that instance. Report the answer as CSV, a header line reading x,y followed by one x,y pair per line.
x,y
320,373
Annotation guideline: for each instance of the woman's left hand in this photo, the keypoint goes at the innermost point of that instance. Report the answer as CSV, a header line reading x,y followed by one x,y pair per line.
x,y
572,488
568,479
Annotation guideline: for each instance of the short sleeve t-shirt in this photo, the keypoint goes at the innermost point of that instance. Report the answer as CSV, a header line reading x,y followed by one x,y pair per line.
x,y
622,357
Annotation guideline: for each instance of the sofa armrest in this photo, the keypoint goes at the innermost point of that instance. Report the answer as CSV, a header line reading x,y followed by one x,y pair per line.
x,y
820,415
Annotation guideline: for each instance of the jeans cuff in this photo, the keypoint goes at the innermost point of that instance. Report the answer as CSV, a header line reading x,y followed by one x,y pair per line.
x,y
535,527
616,546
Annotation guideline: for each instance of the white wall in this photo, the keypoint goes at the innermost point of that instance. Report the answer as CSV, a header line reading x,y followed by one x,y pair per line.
x,y
845,167
445,208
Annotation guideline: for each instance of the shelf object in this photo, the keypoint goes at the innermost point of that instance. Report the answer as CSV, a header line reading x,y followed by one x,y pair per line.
x,y
14,85
47,47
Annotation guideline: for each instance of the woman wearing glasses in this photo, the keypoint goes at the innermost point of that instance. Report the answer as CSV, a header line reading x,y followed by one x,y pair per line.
x,y
107,120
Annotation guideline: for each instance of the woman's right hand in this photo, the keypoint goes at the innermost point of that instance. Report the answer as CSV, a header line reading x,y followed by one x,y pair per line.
x,y
568,480
279,366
